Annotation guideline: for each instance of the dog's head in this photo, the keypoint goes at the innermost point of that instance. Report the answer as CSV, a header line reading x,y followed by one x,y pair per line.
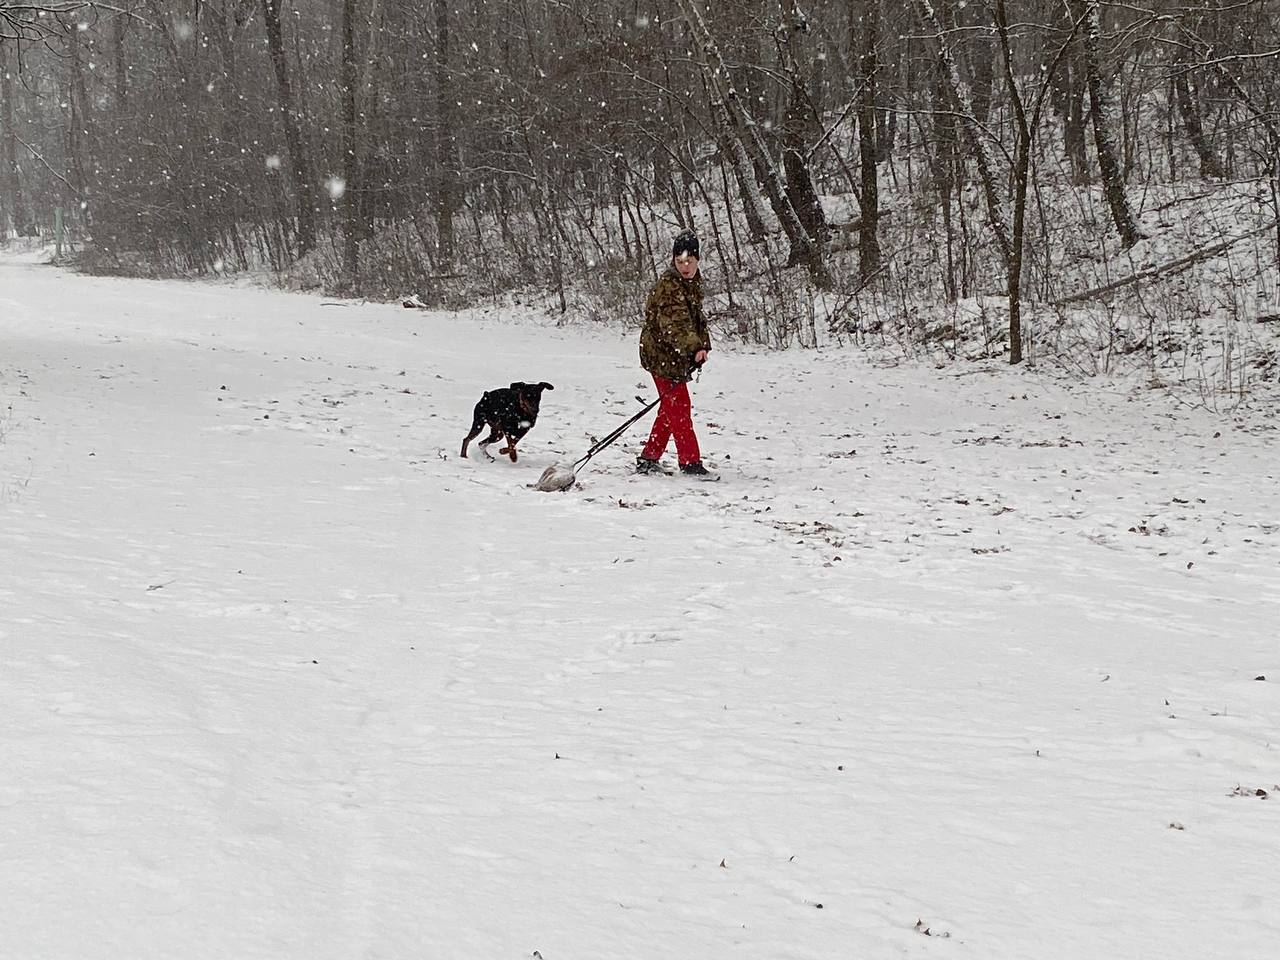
x,y
529,395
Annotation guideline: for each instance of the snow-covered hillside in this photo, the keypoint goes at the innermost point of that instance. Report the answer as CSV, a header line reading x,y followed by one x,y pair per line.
x,y
952,662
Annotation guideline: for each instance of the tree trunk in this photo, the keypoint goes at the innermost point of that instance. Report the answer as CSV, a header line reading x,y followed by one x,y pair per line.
x,y
1074,124
800,188
982,59
121,63
804,249
1021,171
1210,166
82,128
744,175
801,191
1067,97
1103,131
350,164
887,112
298,160
446,144
972,131
868,67
10,173
1027,128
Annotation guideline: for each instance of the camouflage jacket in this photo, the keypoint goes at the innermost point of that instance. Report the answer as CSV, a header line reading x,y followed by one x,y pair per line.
x,y
674,326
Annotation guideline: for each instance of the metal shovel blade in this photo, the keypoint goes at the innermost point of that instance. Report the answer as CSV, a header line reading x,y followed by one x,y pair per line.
x,y
555,478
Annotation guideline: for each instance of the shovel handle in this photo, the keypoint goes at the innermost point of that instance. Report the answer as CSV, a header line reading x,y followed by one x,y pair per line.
x,y
615,434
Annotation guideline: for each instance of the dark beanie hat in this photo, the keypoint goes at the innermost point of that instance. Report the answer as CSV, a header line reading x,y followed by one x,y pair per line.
x,y
686,242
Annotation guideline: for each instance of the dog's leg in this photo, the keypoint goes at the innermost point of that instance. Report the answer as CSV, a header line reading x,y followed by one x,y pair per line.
x,y
495,433
512,440
467,439
477,424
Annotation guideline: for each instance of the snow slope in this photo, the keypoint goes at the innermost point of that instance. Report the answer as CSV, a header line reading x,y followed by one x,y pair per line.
x,y
283,677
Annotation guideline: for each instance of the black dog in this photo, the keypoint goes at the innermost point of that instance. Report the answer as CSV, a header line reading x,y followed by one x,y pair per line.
x,y
510,412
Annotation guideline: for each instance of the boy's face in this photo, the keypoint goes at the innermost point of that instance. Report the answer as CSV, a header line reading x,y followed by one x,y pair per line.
x,y
687,265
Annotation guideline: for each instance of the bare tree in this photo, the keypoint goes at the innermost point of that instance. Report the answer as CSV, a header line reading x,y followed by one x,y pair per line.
x,y
869,195
804,248
446,142
1227,70
11,187
975,136
1026,127
529,126
298,157
744,173
1113,183
1189,109
789,37
350,141
32,20
1187,96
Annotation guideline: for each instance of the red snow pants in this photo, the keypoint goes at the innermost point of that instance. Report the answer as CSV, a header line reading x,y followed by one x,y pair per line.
x,y
675,418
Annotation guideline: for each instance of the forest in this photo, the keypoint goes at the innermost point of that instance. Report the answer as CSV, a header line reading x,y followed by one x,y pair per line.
x,y
1091,183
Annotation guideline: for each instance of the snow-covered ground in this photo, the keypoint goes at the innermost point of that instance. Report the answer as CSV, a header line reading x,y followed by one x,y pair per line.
x,y
960,662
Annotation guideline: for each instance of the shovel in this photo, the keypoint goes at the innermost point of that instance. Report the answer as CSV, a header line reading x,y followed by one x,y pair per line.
x,y
561,478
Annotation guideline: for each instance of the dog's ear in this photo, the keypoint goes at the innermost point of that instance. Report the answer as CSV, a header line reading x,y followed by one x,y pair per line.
x,y
545,386
517,385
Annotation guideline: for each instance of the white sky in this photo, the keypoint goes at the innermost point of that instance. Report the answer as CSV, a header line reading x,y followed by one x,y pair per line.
x,y
283,677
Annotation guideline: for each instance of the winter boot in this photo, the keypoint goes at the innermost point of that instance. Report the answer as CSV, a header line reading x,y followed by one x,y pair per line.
x,y
649,467
698,471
